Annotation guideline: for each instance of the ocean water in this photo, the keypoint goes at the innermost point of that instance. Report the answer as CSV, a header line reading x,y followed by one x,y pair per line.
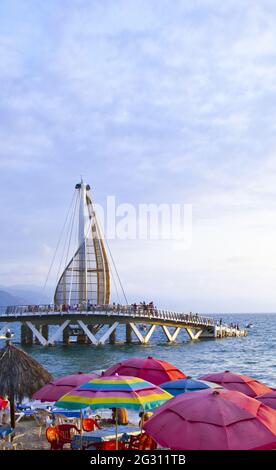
x,y
254,355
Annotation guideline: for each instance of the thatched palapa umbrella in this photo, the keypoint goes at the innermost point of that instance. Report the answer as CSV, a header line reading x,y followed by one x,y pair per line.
x,y
20,375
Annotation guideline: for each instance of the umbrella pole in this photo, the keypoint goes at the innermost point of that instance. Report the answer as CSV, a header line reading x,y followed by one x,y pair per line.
x,y
81,428
142,423
116,418
12,412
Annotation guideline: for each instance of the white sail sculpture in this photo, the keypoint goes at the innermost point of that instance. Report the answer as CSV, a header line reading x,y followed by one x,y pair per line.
x,y
86,278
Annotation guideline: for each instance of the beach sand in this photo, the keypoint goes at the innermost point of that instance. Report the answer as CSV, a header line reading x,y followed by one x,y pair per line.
x,y
28,436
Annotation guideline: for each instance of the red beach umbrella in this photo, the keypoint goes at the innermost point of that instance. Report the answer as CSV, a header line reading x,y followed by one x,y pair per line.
x,y
268,399
213,420
150,369
55,389
238,382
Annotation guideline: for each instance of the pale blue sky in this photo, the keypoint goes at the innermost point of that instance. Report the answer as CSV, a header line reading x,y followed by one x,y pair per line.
x,y
151,101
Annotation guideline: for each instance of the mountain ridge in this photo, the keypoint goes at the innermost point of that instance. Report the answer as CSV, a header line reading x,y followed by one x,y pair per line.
x,y
22,295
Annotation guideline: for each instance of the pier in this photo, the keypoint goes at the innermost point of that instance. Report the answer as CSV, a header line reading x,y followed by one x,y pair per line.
x,y
84,281
86,324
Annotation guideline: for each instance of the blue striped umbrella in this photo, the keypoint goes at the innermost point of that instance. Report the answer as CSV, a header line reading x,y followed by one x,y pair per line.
x,y
175,387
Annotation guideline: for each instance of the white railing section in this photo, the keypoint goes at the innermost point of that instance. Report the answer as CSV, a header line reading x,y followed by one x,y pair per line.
x,y
136,311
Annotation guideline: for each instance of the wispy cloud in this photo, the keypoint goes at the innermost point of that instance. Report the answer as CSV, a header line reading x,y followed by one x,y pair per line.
x,y
154,101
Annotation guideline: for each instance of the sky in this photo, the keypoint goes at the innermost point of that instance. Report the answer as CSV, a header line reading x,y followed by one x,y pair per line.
x,y
151,101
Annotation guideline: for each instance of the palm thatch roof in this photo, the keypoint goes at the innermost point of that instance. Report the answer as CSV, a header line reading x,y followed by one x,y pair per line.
x,y
20,374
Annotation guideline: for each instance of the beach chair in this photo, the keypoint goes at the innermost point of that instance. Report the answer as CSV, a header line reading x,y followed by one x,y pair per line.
x,y
42,420
148,443
12,445
8,439
60,435
106,445
141,442
53,438
5,434
65,433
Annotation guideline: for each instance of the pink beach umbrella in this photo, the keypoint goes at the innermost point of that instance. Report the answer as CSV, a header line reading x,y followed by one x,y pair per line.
x,y
237,382
213,420
52,391
268,399
150,369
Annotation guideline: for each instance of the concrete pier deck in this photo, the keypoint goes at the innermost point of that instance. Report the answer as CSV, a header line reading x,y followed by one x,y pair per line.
x,y
36,319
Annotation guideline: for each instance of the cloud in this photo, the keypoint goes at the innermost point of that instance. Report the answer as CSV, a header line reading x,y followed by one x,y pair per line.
x,y
152,103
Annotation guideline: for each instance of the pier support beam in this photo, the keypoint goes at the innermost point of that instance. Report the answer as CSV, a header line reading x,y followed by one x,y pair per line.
x,y
209,332
66,335
171,337
93,329
37,334
142,339
43,330
82,338
107,334
58,333
89,334
112,337
26,335
128,334
193,335
36,340
149,333
137,333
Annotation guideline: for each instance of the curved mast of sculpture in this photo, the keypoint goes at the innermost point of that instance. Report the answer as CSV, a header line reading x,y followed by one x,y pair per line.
x,y
86,278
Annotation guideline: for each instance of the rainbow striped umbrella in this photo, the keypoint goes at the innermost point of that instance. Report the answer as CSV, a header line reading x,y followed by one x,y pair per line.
x,y
115,392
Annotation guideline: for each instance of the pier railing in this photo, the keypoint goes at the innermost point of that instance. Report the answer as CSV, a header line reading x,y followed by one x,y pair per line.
x,y
142,312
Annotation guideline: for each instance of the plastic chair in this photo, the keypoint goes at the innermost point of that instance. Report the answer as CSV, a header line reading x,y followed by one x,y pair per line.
x,y
90,424
60,435
64,432
53,438
106,445
6,444
141,442
133,443
147,443
5,437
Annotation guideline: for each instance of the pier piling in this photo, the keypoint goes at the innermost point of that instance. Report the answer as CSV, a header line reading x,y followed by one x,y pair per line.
x,y
128,334
66,335
112,337
27,337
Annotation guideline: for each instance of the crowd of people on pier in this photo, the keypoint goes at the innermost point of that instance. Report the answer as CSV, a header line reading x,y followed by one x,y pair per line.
x,y
150,307
142,308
